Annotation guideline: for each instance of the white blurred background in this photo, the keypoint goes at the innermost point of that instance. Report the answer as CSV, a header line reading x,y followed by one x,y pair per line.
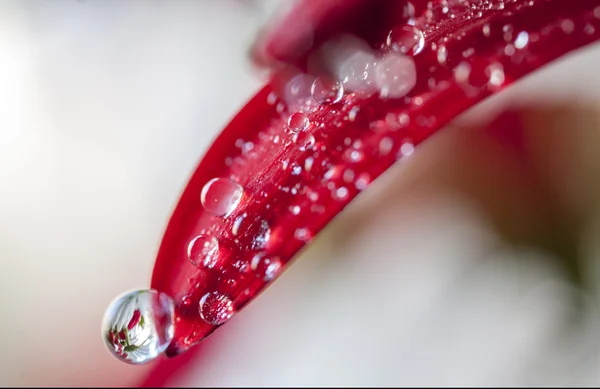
x,y
107,106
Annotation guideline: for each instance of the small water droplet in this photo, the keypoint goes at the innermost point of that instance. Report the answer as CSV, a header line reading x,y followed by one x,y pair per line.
x,y
395,75
302,234
221,196
353,155
353,112
486,30
202,251
216,308
326,91
265,267
522,40
406,149
406,40
567,26
442,54
186,301
138,326
385,146
298,122
262,236
304,140
340,193
362,182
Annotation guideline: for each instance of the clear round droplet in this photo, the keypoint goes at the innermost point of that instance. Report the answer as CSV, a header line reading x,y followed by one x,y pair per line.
x,y
216,308
138,326
265,267
326,91
406,39
395,75
221,196
202,251
298,122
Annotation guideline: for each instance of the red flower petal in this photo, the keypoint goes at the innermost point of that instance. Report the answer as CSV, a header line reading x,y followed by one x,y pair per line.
x,y
135,319
294,185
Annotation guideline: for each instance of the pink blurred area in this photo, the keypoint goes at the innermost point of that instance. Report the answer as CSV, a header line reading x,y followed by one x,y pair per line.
x,y
446,272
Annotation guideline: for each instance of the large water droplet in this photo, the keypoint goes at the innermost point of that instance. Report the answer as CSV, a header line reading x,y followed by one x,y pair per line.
x,y
326,91
220,196
202,251
216,308
395,75
298,122
406,40
138,326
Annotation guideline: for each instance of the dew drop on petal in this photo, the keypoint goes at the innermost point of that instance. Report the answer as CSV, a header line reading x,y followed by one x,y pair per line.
x,y
298,122
304,140
216,308
139,325
522,40
202,251
265,267
221,196
326,91
406,39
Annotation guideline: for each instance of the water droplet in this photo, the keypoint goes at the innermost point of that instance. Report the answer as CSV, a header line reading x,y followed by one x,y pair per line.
x,y
406,40
326,91
298,122
302,234
567,26
395,75
442,54
221,196
216,308
304,140
522,40
202,251
486,30
138,326
340,193
406,149
353,155
362,182
262,236
353,112
265,267
385,146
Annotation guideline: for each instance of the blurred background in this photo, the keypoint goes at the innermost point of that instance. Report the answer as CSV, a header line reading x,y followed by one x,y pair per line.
x,y
474,262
